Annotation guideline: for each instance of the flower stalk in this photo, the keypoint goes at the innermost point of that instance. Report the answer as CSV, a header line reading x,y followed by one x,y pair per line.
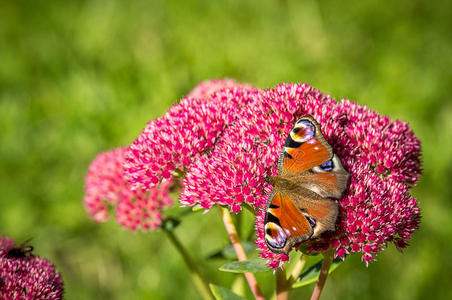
x,y
282,285
241,255
297,268
327,260
284,282
199,282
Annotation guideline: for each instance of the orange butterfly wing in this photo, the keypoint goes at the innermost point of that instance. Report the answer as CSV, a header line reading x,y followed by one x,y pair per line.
x,y
285,224
321,212
304,149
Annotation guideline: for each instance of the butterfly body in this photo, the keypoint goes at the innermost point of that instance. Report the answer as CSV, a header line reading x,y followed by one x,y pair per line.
x,y
309,175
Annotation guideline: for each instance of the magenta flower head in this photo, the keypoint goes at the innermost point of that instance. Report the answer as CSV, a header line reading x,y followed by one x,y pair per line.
x,y
181,136
25,276
106,185
207,88
241,140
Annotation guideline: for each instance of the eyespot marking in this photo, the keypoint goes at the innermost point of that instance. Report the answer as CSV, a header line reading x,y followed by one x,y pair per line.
x,y
327,166
303,131
275,236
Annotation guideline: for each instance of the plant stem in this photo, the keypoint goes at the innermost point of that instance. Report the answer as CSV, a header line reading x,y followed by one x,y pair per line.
x,y
296,271
282,285
191,265
327,260
238,222
241,255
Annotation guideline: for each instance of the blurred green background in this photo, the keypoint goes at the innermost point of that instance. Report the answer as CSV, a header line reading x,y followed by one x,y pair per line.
x,y
80,77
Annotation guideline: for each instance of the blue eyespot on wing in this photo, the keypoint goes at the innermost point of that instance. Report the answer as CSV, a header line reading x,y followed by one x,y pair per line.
x,y
327,166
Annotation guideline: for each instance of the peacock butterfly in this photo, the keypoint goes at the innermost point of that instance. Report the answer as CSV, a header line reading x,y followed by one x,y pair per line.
x,y
299,207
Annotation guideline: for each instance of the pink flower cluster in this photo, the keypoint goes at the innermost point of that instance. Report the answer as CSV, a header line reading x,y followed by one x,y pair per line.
x,y
228,141
207,88
25,276
106,185
189,129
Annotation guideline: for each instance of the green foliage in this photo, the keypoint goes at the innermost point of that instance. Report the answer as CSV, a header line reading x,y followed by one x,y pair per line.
x,y
222,293
250,265
228,251
311,274
80,77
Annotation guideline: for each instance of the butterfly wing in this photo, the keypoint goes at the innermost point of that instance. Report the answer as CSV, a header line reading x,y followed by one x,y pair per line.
x,y
304,149
321,212
328,180
285,225
307,156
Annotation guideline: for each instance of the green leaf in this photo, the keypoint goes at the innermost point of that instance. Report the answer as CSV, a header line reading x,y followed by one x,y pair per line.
x,y
251,266
221,293
228,251
312,274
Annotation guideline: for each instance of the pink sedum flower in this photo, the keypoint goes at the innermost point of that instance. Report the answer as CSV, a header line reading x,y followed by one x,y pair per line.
x,y
172,142
106,185
246,132
207,88
25,276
